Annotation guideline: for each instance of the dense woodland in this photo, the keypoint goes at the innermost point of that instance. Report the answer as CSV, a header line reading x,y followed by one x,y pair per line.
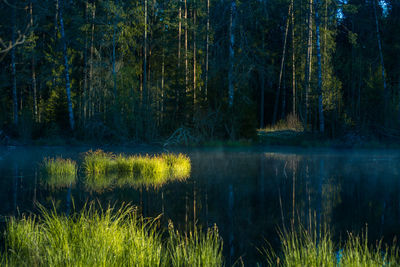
x,y
216,69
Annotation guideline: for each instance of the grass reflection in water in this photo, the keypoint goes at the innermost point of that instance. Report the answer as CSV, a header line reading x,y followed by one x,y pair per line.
x,y
104,170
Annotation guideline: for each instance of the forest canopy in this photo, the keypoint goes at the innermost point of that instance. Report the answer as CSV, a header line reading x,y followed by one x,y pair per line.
x,y
218,69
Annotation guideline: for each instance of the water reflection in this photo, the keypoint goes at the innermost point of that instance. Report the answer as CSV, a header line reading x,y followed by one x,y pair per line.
x,y
249,195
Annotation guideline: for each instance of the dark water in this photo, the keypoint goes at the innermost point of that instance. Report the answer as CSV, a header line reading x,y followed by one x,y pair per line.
x,y
248,194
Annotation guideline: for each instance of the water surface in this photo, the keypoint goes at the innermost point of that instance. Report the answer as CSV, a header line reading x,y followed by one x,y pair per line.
x,y
248,193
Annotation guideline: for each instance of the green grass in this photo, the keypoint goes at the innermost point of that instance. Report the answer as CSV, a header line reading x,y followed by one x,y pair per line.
x,y
98,162
58,166
179,166
110,238
290,123
58,172
195,248
133,170
302,248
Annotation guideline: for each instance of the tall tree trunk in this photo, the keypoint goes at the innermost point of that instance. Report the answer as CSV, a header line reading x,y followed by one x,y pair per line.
x,y
33,67
207,48
378,35
232,26
114,56
262,100
145,59
399,101
320,104
274,117
91,67
293,65
186,50
308,62
85,67
66,66
284,94
179,32
13,67
194,57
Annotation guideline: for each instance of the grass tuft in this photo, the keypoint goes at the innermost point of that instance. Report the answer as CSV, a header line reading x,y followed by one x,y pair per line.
x,y
195,248
302,248
58,172
98,162
104,238
58,166
134,170
179,165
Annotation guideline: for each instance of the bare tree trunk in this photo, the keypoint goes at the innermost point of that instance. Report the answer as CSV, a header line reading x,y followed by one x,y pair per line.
x,y
284,94
232,25
262,101
308,63
293,65
207,48
194,57
145,59
33,63
13,67
320,104
399,101
91,67
114,56
274,117
386,91
66,66
85,67
186,50
179,33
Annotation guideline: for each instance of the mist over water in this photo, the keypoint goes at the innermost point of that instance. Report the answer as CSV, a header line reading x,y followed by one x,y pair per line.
x,y
248,194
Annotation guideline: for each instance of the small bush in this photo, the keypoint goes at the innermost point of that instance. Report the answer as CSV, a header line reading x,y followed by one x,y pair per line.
x,y
291,123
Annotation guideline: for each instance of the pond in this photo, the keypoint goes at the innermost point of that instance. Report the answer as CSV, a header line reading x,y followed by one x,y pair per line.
x,y
249,193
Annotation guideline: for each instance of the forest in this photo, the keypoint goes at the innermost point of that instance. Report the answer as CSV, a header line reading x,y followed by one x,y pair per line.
x,y
209,69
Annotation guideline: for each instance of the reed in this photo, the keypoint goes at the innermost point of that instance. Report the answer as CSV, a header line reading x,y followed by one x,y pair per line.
x,y
179,165
195,248
114,237
58,166
305,248
58,172
98,162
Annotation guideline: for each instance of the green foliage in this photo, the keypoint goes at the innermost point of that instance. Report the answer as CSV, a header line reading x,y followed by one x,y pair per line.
x,y
179,166
98,162
58,166
291,123
114,237
305,248
106,169
58,172
195,248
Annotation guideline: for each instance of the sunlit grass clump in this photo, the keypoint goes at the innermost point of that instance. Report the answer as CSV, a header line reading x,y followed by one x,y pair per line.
x,y
195,248
302,248
110,238
135,170
290,123
98,162
58,166
58,172
179,165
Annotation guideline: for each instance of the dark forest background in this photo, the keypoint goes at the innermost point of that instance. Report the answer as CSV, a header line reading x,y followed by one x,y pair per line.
x,y
208,69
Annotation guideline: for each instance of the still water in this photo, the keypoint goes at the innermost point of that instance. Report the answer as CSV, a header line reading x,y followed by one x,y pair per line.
x,y
248,193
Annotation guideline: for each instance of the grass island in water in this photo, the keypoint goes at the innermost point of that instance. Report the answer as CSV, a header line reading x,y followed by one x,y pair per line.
x,y
104,169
